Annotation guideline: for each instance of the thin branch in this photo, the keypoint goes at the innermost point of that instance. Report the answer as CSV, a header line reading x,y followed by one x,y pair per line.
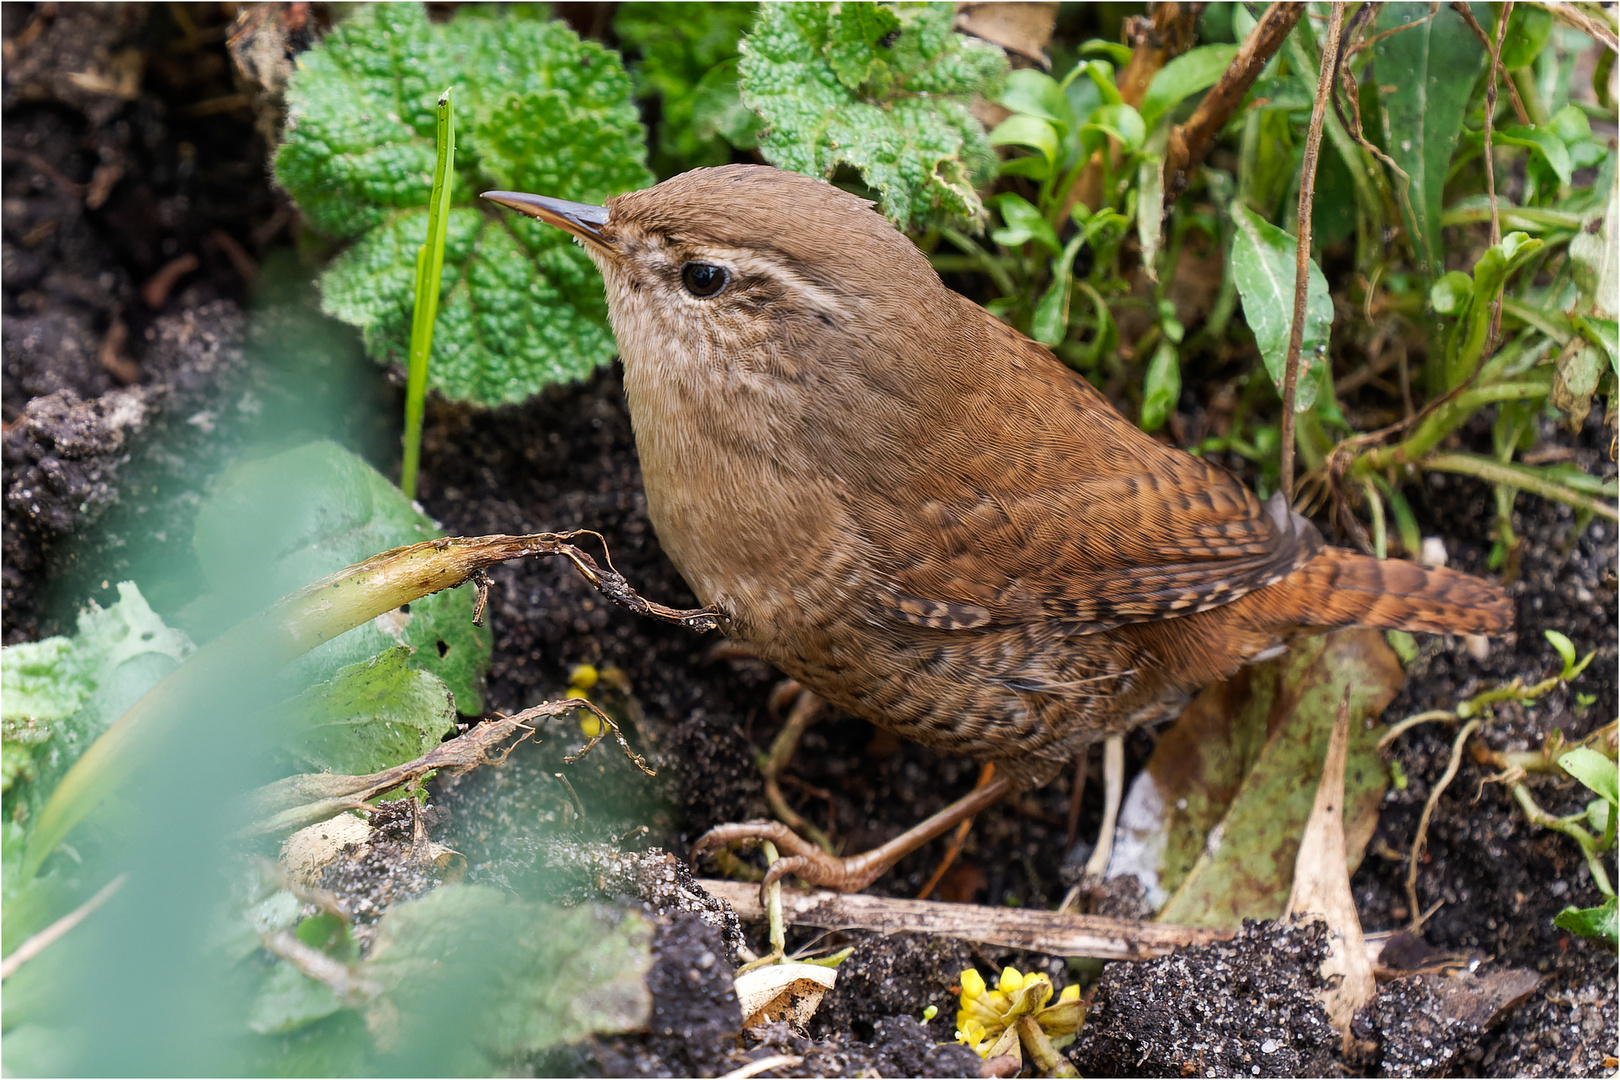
x,y
1190,142
43,940
1495,49
1016,928
1416,854
1302,252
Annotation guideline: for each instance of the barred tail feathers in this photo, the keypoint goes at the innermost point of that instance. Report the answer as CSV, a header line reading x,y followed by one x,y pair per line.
x,y
1344,588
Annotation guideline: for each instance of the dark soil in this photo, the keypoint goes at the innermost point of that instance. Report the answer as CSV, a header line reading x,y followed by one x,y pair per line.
x,y
103,190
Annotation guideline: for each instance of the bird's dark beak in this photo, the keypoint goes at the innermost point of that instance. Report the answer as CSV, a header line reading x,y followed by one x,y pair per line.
x,y
582,219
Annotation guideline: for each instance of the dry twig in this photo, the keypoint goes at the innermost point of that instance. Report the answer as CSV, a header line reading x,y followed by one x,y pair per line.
x,y
1190,142
1302,252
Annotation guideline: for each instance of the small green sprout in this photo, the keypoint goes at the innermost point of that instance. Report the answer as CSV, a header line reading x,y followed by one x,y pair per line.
x,y
1019,1015
1566,650
929,1013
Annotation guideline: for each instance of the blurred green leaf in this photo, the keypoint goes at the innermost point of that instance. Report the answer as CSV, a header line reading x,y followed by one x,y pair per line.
x,y
59,694
1024,223
519,976
1119,120
1599,922
1030,131
1051,322
1543,141
1034,93
1195,70
906,128
689,61
540,110
273,525
1591,768
1528,29
1263,268
369,717
1426,75
1161,387
1452,294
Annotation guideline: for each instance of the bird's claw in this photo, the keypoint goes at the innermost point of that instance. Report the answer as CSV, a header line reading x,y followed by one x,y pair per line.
x,y
800,857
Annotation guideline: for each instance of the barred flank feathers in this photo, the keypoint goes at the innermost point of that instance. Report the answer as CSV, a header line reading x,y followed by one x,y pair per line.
x,y
1343,588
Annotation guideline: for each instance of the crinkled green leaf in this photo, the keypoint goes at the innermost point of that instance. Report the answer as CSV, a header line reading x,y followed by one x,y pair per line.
x,y
58,694
904,124
273,525
369,717
538,110
520,976
1192,71
1602,923
1426,75
1263,268
1212,826
689,61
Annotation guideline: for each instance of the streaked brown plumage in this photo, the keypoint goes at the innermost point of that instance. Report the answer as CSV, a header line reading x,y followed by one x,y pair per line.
x,y
921,514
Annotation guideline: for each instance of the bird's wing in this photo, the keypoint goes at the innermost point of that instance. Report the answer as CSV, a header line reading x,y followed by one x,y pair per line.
x,y
1077,517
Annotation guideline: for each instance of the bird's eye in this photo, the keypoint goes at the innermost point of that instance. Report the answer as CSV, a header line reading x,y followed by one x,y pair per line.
x,y
704,280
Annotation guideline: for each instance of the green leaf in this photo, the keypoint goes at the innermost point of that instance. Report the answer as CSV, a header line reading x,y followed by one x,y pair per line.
x,y
1543,141
1591,768
1599,922
1571,126
511,977
1024,223
1564,647
907,130
1195,70
1604,332
276,524
689,61
1161,387
1598,812
1118,120
1528,29
1030,131
1213,823
369,717
539,110
1263,269
1035,93
857,46
1050,324
59,694
1425,76
288,1000
1452,294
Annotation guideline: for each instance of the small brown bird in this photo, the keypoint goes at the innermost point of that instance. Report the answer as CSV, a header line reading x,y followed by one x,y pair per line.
x,y
921,514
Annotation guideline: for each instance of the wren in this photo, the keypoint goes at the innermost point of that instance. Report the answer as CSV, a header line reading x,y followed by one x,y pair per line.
x,y
921,514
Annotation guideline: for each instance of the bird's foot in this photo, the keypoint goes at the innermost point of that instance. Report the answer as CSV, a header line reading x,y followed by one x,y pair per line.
x,y
799,856
854,872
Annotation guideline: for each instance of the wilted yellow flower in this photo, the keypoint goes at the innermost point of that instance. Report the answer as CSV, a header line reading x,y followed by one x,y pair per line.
x,y
986,1014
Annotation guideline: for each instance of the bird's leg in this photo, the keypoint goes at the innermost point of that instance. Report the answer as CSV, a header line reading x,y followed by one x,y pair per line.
x,y
857,871
806,707
985,775
1113,789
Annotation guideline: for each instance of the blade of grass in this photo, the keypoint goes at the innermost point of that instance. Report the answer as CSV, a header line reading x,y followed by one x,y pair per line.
x,y
429,268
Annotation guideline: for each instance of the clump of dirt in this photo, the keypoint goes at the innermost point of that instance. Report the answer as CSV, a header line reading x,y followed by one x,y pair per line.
x,y
1242,1007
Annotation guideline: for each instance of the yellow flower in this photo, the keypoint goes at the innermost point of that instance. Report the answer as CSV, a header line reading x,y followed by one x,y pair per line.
x,y
986,1014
